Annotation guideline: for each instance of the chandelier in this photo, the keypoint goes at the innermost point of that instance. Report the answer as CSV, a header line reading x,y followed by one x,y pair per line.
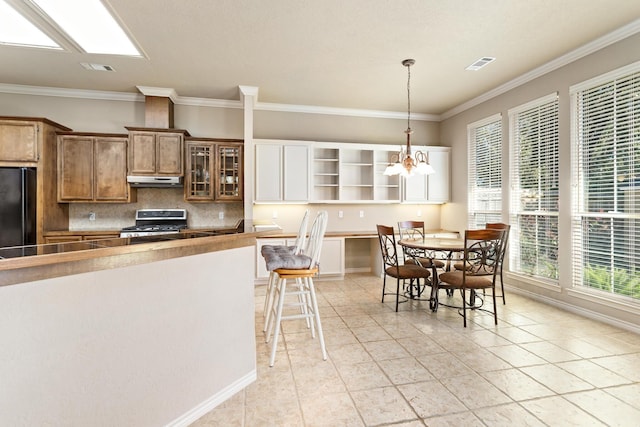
x,y
403,163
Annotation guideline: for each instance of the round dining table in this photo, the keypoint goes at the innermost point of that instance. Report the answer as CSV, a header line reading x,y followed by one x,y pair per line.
x,y
447,247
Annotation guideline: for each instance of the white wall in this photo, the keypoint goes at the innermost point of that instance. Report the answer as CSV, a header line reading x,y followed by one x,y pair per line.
x,y
146,345
454,134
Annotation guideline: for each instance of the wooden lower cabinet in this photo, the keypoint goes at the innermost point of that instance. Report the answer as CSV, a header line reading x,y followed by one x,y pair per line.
x,y
67,238
93,168
62,239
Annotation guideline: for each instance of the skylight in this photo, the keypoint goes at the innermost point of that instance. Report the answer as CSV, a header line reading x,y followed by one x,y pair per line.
x,y
88,23
17,30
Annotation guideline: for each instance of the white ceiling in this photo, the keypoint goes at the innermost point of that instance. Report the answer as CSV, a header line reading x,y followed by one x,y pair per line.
x,y
330,53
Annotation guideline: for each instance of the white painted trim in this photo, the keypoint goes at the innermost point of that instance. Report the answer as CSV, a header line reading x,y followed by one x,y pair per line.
x,y
577,310
208,102
587,49
215,400
531,281
352,112
485,121
70,93
532,104
604,298
164,92
357,270
600,43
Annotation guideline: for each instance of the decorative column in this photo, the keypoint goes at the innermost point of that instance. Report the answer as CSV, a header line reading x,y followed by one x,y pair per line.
x,y
249,98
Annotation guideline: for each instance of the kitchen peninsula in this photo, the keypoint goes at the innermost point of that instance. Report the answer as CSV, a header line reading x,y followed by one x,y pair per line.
x,y
155,333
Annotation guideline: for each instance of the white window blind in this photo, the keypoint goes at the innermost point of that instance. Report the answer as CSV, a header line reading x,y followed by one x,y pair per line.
x,y
485,171
606,177
534,188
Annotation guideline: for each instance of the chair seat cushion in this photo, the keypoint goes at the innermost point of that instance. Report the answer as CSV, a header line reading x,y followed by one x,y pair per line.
x,y
267,249
408,271
284,259
427,262
455,278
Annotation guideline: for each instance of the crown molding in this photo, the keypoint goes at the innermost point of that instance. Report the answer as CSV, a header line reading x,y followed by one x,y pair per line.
x,y
352,112
587,49
163,92
71,93
600,43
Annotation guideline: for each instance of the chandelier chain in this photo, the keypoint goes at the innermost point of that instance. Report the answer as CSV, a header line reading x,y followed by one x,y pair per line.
x,y
408,97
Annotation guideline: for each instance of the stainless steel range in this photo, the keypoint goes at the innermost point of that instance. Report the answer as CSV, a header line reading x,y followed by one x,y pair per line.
x,y
152,222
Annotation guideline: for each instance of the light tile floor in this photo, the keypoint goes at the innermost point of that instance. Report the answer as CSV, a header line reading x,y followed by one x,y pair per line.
x,y
541,366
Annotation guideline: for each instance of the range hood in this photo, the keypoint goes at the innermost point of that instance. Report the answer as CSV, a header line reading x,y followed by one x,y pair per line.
x,y
154,181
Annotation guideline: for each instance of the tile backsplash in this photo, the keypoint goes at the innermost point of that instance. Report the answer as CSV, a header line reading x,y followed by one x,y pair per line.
x,y
114,216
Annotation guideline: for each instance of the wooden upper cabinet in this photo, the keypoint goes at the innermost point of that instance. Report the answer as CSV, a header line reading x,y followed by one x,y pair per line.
x,y
142,153
156,152
213,170
19,141
110,170
75,168
92,168
229,172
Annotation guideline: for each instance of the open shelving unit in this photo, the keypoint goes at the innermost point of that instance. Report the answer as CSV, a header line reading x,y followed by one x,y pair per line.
x,y
326,176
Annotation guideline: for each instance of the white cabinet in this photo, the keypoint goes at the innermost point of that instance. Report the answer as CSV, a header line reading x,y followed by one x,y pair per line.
x,y
331,257
433,188
351,173
332,172
385,188
281,171
326,176
356,174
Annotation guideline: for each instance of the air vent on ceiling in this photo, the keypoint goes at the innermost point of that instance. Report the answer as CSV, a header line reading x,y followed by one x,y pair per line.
x,y
97,67
480,63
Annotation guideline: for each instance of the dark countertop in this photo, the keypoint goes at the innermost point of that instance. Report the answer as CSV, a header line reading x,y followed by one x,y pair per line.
x,y
30,263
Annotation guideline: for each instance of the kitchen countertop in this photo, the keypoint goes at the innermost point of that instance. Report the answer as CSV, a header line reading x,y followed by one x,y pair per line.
x,y
29,263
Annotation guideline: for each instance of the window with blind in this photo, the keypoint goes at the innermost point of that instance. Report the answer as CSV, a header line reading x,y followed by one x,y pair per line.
x,y
485,171
606,182
533,212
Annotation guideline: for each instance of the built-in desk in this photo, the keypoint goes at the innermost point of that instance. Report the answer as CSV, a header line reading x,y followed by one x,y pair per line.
x,y
342,252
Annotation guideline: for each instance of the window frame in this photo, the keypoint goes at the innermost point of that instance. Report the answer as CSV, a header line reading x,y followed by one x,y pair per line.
x,y
543,245
581,215
474,212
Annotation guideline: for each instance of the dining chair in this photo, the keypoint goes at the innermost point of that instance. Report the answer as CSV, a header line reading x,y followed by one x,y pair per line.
x,y
415,230
482,252
267,250
506,228
392,266
299,268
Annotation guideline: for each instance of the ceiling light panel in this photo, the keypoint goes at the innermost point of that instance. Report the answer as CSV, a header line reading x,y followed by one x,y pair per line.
x,y
17,30
90,24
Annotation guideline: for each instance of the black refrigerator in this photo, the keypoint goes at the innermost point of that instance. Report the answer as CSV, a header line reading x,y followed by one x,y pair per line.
x,y
17,206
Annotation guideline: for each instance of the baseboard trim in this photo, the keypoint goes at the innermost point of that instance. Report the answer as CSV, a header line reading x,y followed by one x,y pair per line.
x,y
215,400
576,309
357,270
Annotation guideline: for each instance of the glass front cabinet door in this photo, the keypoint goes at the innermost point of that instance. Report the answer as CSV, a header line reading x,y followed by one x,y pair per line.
x,y
200,174
229,171
213,170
